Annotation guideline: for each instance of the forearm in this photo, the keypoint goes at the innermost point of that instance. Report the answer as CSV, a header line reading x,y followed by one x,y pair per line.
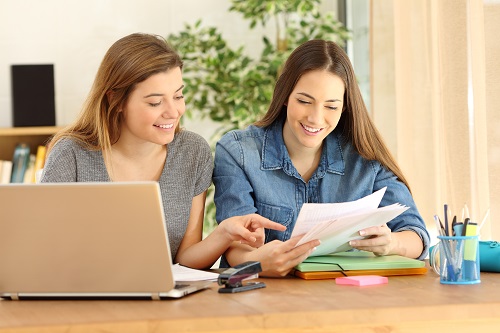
x,y
203,254
238,253
407,243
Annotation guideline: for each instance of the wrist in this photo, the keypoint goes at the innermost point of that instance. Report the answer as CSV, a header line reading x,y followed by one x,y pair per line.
x,y
396,245
223,234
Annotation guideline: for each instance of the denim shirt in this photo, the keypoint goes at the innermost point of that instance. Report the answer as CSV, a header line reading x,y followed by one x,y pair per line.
x,y
254,174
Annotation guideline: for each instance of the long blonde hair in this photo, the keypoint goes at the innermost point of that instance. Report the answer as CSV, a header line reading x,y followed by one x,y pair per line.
x,y
129,61
355,124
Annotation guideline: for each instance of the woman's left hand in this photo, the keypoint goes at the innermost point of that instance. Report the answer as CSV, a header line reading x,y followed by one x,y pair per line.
x,y
378,240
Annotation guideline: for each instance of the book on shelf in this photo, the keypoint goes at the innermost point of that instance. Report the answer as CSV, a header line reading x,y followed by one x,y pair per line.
x,y
336,224
5,171
20,163
24,165
29,174
39,161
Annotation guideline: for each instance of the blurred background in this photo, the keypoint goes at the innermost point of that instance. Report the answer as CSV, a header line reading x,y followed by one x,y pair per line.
x,y
428,70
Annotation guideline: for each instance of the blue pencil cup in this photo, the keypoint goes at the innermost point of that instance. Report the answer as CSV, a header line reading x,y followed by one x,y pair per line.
x,y
456,259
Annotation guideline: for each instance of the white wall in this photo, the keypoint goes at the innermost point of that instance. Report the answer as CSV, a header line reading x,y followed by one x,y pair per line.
x,y
74,35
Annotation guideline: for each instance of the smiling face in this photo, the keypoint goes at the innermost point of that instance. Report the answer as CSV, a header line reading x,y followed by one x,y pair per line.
x,y
154,108
313,110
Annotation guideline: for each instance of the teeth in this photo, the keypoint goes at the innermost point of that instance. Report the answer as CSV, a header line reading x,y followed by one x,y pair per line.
x,y
310,129
165,126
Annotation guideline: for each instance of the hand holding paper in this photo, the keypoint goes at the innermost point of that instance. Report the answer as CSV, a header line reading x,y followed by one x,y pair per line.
x,y
336,224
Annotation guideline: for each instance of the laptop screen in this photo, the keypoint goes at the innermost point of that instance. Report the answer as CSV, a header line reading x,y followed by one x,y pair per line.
x,y
83,238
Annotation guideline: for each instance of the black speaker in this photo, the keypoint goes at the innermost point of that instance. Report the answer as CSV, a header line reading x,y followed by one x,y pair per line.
x,y
33,95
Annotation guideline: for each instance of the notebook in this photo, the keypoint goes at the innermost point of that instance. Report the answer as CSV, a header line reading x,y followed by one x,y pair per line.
x,y
86,240
356,263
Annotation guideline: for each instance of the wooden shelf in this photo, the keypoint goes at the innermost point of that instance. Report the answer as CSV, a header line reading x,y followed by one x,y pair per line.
x,y
33,136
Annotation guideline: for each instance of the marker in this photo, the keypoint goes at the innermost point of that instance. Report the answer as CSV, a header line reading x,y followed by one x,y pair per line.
x,y
457,228
464,228
470,265
470,245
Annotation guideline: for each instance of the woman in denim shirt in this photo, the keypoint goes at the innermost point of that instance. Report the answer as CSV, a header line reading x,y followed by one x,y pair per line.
x,y
315,144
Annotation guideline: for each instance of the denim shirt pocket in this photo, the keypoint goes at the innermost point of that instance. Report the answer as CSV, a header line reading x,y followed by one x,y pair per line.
x,y
278,214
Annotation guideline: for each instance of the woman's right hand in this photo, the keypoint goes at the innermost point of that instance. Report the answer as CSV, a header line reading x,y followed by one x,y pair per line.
x,y
248,229
278,258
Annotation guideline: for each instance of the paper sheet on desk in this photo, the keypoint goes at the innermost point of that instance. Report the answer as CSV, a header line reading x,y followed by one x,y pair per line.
x,y
183,273
336,224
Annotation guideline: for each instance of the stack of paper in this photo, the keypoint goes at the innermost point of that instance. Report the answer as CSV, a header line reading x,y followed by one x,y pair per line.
x,y
184,274
335,224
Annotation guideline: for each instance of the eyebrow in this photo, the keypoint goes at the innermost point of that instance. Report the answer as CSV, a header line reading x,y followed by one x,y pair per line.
x,y
309,96
158,94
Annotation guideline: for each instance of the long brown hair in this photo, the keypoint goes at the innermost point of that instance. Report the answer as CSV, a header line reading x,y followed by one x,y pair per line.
x,y
355,124
129,61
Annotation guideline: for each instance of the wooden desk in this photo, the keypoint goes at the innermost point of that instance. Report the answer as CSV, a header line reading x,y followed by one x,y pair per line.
x,y
405,304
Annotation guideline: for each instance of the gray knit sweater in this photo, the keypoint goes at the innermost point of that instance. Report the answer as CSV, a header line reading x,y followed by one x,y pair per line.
x,y
187,173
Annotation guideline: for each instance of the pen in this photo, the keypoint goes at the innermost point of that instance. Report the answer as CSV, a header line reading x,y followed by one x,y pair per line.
x,y
450,265
446,229
442,227
439,226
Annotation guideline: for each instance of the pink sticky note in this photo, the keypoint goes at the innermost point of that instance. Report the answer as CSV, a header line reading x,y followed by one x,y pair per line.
x,y
365,280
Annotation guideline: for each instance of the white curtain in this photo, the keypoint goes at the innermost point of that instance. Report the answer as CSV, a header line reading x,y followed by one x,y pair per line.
x,y
434,102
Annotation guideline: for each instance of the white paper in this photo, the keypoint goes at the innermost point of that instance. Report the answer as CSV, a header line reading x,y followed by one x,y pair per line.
x,y
312,214
183,273
338,223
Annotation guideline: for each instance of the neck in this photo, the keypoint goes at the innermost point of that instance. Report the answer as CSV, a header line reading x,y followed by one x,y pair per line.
x,y
136,150
304,159
133,161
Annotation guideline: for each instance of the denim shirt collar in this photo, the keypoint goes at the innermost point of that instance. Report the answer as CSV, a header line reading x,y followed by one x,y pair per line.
x,y
275,155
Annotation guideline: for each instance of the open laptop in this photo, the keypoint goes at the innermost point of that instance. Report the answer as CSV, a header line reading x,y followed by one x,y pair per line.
x,y
86,240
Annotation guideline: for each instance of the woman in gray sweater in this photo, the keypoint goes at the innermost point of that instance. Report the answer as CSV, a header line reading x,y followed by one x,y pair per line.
x,y
128,130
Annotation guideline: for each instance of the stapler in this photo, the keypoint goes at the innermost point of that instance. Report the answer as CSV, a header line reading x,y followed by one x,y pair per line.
x,y
232,278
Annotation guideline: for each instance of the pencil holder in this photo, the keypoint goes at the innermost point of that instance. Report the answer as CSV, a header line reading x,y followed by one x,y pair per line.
x,y
489,256
456,259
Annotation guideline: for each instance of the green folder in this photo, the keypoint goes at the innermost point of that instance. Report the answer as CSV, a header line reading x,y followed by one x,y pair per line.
x,y
356,261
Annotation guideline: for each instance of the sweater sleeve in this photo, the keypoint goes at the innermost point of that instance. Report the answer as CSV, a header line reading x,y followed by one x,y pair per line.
x,y
60,165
